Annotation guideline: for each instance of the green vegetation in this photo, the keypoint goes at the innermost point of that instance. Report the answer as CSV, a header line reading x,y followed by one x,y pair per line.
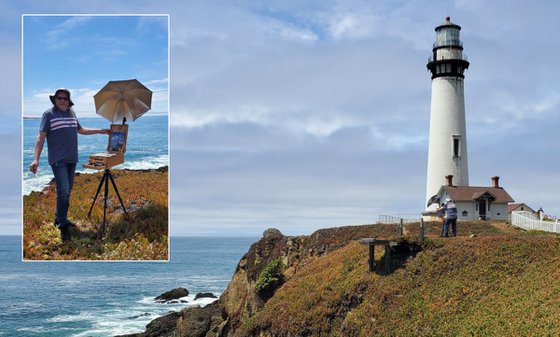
x,y
501,282
270,278
143,235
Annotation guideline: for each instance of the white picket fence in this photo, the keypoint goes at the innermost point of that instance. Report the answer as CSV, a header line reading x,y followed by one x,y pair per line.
x,y
529,221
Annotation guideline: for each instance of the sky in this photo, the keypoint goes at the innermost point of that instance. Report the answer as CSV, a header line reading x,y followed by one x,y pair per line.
x,y
82,53
302,115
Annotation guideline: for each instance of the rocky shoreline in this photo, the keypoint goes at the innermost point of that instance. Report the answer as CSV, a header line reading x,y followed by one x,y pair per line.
x,y
244,296
324,287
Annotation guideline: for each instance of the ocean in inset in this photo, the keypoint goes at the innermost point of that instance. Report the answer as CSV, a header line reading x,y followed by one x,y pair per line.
x,y
63,299
146,148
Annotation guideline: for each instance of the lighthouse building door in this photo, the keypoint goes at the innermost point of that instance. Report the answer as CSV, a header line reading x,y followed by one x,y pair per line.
x,y
483,204
481,208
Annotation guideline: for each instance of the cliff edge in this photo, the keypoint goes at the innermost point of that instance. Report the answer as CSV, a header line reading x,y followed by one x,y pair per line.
x,y
492,280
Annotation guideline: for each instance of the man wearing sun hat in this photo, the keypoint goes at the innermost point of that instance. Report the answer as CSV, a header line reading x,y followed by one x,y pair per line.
x,y
60,126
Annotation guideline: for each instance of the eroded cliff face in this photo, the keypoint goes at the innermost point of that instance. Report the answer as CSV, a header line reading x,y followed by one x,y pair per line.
x,y
328,290
241,299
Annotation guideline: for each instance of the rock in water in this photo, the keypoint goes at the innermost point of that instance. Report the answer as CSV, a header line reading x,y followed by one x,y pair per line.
x,y
172,295
204,295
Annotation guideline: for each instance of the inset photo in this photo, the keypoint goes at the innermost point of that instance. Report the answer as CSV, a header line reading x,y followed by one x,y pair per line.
x,y
95,126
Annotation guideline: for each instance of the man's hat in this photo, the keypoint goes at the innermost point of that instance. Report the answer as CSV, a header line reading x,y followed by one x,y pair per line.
x,y
52,97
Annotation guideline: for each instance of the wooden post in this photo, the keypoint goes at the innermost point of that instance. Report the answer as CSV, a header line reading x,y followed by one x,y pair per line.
x,y
401,231
372,242
371,256
387,258
421,234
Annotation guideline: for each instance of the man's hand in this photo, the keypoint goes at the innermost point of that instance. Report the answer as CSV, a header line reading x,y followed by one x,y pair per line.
x,y
33,166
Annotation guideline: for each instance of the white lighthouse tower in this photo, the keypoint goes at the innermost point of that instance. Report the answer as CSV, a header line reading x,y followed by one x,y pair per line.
x,y
447,152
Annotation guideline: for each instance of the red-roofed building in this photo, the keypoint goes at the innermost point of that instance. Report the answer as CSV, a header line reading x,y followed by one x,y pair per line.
x,y
520,207
477,202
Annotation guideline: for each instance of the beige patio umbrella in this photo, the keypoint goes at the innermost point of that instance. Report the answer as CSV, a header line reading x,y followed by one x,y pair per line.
x,y
128,99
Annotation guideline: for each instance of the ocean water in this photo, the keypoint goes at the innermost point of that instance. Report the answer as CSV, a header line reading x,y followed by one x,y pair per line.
x,y
78,299
147,147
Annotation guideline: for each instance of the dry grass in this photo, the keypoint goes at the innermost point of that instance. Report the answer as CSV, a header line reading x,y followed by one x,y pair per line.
x,y
143,235
503,282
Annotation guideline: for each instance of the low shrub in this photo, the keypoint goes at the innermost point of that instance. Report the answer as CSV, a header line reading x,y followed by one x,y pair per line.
x,y
270,278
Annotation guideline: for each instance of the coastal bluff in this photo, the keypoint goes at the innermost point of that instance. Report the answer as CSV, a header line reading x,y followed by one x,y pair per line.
x,y
320,285
141,234
241,299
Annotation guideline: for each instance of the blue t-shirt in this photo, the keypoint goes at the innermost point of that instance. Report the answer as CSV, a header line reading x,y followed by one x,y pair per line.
x,y
62,135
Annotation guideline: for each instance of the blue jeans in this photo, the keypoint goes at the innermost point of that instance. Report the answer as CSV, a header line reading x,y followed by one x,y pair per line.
x,y
64,178
453,223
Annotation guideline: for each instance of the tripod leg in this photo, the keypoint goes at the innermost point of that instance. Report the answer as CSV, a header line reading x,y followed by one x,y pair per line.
x,y
96,194
117,190
105,202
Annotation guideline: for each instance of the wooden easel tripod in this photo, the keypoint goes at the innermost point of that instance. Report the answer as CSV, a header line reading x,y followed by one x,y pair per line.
x,y
104,161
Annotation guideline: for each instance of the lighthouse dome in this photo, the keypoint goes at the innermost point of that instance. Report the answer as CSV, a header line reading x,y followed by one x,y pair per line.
x,y
447,24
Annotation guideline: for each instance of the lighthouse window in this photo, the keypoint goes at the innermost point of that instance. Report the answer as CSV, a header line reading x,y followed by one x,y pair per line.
x,y
448,68
447,37
456,146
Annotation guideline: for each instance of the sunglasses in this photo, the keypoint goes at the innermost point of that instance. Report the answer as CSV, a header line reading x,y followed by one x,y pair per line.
x,y
62,98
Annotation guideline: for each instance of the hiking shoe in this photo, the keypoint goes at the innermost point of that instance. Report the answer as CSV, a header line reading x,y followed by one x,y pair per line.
x,y
64,233
57,224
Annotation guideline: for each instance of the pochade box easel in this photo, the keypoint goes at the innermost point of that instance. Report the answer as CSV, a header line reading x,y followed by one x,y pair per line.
x,y
116,148
114,156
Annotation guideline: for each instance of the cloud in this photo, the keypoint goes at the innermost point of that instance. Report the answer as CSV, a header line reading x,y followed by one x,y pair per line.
x,y
310,87
146,24
292,180
294,33
60,37
39,102
10,179
364,74
164,81
302,115
351,26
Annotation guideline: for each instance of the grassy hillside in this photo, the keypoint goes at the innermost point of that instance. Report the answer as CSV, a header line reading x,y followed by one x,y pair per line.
x,y
141,236
501,282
